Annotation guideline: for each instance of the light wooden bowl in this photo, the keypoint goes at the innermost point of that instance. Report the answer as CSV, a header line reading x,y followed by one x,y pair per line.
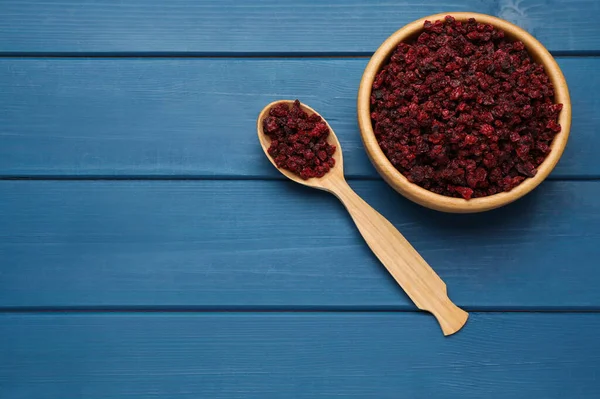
x,y
440,202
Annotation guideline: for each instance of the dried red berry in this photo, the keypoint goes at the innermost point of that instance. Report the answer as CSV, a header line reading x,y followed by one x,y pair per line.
x,y
299,141
463,111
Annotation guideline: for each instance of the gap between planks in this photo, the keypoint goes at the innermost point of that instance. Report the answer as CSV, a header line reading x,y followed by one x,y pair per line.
x,y
276,310
231,55
212,178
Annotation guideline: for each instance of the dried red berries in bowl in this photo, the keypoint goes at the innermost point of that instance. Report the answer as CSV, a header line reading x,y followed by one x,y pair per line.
x,y
463,112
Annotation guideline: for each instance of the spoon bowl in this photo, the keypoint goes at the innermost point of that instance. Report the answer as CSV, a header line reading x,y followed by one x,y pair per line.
x,y
314,182
404,263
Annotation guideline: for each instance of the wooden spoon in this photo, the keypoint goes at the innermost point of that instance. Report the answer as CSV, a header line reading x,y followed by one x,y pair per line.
x,y
404,263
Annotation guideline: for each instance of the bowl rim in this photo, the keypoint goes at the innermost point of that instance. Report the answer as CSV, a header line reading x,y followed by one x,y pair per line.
x,y
440,202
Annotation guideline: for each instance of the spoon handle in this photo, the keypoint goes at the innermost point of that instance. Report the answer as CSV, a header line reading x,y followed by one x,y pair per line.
x,y
409,269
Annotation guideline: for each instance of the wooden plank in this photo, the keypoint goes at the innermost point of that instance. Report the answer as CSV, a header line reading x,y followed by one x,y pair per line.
x,y
267,27
277,245
227,356
196,117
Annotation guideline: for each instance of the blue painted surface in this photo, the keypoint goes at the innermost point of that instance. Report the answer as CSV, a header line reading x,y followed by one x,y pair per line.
x,y
138,259
252,244
165,117
287,355
269,26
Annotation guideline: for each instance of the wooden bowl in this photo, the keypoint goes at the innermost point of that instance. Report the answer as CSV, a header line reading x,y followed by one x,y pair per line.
x,y
440,202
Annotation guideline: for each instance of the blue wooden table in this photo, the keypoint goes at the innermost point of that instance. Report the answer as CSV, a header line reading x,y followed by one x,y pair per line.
x,y
148,249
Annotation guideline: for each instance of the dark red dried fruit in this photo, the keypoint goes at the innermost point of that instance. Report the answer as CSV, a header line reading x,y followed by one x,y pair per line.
x,y
463,111
299,141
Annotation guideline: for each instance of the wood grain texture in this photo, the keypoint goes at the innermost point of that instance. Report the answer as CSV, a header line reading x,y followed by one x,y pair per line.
x,y
416,277
252,244
302,355
271,26
174,117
